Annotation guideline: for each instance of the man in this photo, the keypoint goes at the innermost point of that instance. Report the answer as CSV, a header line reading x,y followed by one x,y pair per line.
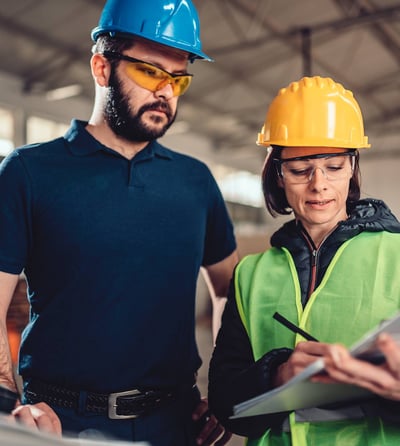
x,y
111,229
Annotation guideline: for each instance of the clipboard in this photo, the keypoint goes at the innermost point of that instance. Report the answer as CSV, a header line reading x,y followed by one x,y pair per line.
x,y
300,393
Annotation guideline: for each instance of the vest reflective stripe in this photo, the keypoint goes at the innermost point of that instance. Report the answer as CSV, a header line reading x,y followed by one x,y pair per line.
x,y
341,309
316,414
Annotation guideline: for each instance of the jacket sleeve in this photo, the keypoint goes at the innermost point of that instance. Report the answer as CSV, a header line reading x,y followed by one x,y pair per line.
x,y
387,410
234,375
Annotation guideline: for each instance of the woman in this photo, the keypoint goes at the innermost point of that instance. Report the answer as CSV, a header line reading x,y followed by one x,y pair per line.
x,y
332,270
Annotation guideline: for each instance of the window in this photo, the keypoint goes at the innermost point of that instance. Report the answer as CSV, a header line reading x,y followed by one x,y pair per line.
x,y
242,187
40,130
6,132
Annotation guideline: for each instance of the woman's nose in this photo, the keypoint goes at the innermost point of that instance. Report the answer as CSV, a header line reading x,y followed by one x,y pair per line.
x,y
315,174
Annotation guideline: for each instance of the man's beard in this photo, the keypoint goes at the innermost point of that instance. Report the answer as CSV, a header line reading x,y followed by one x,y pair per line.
x,y
127,124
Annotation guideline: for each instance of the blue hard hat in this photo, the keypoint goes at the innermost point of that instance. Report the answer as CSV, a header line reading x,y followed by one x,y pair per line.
x,y
174,23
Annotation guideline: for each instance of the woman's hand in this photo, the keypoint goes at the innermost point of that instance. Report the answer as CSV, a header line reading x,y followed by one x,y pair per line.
x,y
383,379
304,354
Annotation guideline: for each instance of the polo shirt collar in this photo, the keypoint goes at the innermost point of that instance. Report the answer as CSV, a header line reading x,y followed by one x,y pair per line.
x,y
82,143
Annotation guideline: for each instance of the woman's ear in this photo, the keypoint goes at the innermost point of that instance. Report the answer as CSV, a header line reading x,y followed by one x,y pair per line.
x,y
101,69
280,182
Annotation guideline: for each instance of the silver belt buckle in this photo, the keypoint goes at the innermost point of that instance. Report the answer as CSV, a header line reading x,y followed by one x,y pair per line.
x,y
112,404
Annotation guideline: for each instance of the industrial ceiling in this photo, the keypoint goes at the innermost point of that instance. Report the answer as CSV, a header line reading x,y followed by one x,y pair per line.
x,y
259,46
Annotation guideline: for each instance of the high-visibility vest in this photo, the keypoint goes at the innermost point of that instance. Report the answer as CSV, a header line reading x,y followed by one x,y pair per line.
x,y
361,287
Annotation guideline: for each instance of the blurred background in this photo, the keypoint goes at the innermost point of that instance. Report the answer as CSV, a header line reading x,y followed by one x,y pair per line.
x,y
259,46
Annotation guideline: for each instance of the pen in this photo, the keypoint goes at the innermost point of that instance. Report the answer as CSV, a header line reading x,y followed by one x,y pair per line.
x,y
293,327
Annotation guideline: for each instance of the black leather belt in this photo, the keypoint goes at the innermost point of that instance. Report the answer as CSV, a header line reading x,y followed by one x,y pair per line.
x,y
8,400
117,405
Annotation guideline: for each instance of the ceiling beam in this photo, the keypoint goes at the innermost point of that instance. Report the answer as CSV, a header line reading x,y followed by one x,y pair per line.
x,y
7,24
380,28
365,18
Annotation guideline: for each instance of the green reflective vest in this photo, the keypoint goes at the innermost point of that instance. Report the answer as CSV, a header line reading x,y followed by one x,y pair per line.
x,y
361,287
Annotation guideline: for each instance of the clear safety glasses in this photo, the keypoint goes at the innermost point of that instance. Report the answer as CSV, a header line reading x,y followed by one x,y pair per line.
x,y
151,77
300,170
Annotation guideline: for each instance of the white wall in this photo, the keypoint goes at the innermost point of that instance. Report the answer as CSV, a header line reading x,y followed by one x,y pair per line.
x,y
381,179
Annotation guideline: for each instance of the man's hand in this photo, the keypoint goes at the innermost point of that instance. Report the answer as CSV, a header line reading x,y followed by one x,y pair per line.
x,y
38,416
212,430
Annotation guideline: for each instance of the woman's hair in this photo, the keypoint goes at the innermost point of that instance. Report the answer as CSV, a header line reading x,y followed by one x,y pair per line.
x,y
274,195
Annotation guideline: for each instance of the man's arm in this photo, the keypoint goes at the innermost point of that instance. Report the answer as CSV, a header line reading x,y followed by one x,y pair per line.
x,y
8,283
39,416
218,278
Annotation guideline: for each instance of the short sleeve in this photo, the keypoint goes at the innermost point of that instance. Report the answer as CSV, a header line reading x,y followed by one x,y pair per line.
x,y
220,239
15,198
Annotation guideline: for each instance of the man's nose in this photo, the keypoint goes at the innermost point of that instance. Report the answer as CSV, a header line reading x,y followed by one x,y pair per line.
x,y
166,91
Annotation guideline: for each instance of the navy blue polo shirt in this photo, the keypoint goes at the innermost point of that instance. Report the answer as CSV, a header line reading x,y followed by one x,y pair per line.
x,y
111,248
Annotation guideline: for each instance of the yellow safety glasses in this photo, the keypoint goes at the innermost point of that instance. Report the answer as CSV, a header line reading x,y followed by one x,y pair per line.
x,y
151,77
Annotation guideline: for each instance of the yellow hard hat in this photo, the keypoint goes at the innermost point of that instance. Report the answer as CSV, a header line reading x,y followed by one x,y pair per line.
x,y
314,112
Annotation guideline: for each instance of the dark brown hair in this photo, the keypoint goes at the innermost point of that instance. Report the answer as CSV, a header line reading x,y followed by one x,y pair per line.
x,y
274,195
116,44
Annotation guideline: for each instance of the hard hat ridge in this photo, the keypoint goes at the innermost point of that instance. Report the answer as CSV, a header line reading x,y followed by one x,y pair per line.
x,y
314,112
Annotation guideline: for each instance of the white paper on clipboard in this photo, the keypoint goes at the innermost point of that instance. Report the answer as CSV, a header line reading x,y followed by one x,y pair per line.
x,y
300,393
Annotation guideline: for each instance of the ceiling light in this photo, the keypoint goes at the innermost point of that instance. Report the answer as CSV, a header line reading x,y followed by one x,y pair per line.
x,y
68,91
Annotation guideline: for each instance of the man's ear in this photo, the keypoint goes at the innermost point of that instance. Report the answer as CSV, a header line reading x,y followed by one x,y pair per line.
x,y
101,69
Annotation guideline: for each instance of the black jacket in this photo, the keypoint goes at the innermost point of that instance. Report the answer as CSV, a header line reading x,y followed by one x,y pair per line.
x,y
234,376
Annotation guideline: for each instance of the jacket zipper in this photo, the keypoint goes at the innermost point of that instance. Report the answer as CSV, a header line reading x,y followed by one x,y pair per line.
x,y
314,260
314,257
313,278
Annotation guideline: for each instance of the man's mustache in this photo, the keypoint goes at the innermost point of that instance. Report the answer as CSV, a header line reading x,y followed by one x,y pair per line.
x,y
159,105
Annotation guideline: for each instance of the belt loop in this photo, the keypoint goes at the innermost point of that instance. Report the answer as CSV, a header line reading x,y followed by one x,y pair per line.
x,y
82,402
